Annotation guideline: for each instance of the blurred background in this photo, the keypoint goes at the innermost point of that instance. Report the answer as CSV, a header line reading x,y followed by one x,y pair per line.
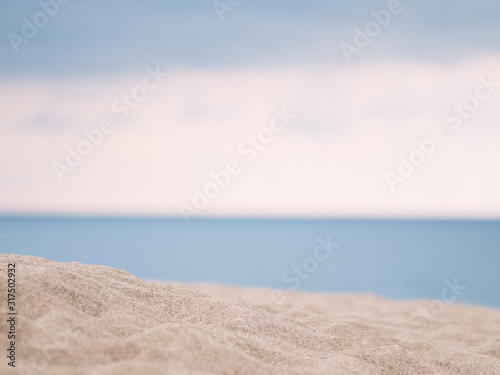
x,y
217,141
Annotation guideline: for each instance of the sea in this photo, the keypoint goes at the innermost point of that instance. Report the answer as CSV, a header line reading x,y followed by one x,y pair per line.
x,y
398,259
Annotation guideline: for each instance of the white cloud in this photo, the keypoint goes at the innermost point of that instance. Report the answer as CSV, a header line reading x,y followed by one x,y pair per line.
x,y
352,124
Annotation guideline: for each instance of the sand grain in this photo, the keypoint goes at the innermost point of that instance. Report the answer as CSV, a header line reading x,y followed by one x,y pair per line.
x,y
82,319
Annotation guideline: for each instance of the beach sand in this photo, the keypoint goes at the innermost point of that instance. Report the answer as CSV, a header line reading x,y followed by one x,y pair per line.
x,y
81,319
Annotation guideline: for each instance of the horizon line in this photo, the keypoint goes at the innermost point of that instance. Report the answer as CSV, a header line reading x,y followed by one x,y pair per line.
x,y
243,217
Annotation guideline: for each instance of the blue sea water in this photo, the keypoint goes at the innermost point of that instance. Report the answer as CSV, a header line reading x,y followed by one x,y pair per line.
x,y
401,259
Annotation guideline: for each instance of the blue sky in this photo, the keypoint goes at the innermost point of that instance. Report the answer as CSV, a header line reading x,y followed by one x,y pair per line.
x,y
227,78
113,37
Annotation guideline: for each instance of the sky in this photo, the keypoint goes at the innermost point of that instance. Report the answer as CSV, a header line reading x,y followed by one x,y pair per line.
x,y
250,108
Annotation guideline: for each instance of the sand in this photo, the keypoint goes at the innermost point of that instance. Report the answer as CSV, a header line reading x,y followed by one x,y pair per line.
x,y
81,319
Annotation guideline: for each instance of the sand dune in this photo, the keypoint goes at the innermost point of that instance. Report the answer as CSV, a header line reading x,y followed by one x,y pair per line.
x,y
81,319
